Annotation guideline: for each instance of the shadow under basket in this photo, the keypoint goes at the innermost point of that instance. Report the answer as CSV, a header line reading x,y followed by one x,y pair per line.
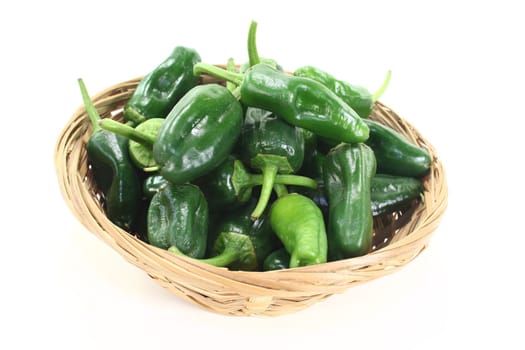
x,y
398,238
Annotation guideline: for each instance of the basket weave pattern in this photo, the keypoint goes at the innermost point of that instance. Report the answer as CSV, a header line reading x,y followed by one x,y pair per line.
x,y
398,239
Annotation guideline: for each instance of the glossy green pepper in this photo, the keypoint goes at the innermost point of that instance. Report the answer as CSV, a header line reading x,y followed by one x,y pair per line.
x,y
395,155
178,216
158,91
348,172
271,146
357,97
112,169
277,260
299,224
153,184
230,184
198,134
391,193
299,101
259,231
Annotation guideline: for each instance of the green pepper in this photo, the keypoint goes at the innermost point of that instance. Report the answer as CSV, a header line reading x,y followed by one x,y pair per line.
x,y
259,231
271,146
313,168
395,155
299,224
112,169
153,184
230,184
199,133
299,101
391,193
348,172
178,216
277,260
159,90
357,97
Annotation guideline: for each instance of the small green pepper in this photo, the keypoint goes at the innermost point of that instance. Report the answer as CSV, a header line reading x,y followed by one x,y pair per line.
x,y
198,134
178,216
348,172
230,184
153,184
112,169
277,260
357,97
395,155
299,224
299,101
391,193
159,90
271,146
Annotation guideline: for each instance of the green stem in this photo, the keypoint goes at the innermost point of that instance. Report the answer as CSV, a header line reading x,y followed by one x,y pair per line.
x,y
127,131
280,189
230,67
90,107
296,180
228,256
200,68
383,87
134,116
269,174
253,55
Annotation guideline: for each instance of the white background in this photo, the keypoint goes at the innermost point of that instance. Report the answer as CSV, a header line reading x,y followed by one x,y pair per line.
x,y
457,76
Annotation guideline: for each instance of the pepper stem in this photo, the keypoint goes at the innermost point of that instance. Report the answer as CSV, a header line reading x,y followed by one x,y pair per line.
x,y
383,87
127,131
200,68
230,67
225,258
280,189
253,54
94,117
269,174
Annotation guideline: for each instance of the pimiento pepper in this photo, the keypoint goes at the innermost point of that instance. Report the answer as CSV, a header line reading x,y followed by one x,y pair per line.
x,y
112,169
153,184
178,216
396,155
391,193
299,224
230,184
199,133
158,91
348,172
357,97
277,260
259,231
299,101
271,146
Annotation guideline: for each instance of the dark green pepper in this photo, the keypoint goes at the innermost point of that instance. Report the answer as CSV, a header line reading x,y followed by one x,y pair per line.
x,y
277,260
271,146
348,172
259,231
160,90
299,224
357,97
112,169
153,184
178,216
299,101
395,155
230,185
391,193
198,134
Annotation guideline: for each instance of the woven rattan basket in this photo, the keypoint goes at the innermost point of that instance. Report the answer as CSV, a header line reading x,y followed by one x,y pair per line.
x,y
398,239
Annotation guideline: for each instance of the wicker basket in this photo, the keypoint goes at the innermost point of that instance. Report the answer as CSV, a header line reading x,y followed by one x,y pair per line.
x,y
398,238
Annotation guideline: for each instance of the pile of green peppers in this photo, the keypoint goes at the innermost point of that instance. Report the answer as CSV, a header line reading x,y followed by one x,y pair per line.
x,y
266,170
